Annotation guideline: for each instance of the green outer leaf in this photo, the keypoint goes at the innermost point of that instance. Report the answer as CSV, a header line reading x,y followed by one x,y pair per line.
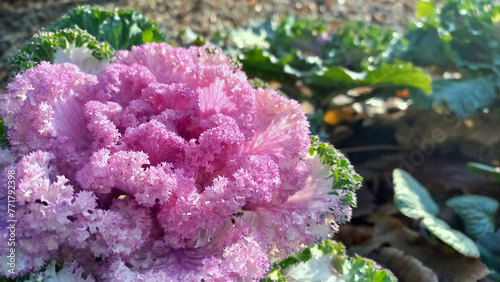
x,y
343,174
296,258
43,46
453,238
411,198
122,29
478,213
341,268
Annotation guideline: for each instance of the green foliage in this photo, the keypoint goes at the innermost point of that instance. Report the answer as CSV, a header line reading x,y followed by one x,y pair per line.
x,y
343,174
399,73
473,26
478,213
327,62
489,247
463,36
413,200
424,44
324,261
482,168
122,29
358,46
101,32
296,258
451,237
463,97
44,45
396,74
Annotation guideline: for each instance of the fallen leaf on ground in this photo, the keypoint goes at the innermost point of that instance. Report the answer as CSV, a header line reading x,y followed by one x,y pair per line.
x,y
406,268
446,263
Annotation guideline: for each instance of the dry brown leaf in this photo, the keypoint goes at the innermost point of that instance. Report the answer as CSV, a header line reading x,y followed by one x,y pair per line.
x,y
445,262
406,268
383,211
352,235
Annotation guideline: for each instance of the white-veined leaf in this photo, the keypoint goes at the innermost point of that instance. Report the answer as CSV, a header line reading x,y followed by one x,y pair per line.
x,y
453,238
411,198
477,212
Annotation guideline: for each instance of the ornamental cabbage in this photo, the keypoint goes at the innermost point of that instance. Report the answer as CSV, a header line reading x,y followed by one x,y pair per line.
x,y
165,166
